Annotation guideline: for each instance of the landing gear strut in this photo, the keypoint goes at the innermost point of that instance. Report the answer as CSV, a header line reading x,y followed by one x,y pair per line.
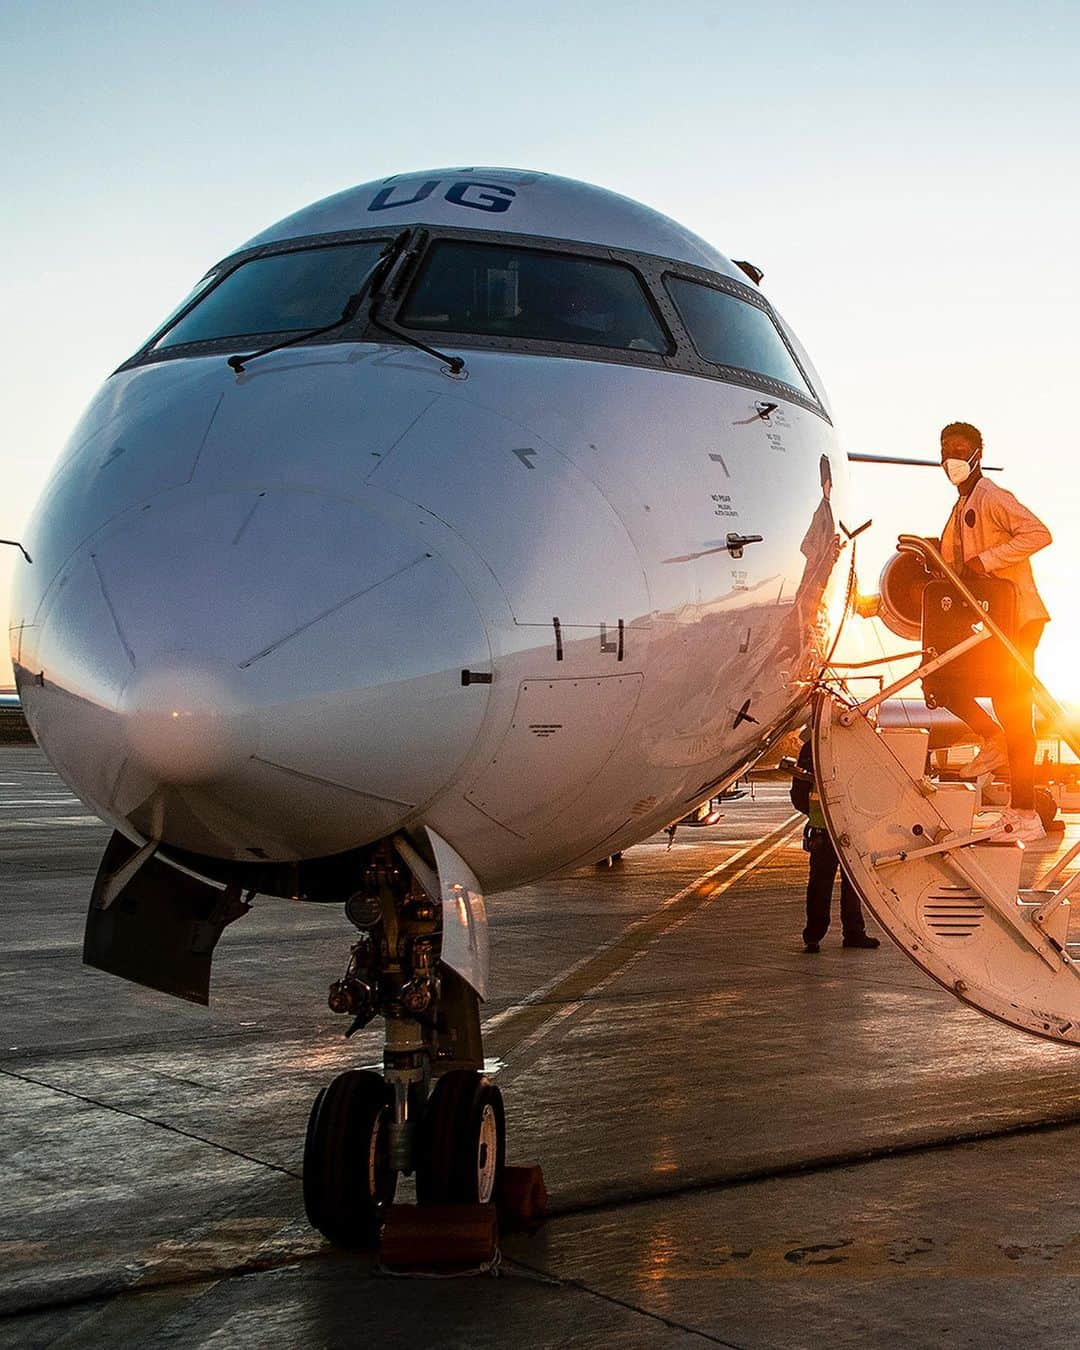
x,y
365,1129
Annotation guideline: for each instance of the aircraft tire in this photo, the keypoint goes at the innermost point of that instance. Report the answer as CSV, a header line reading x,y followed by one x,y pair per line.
x,y
463,1142
347,1174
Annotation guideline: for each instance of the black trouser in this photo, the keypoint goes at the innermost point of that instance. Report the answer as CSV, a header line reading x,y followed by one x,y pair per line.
x,y
1013,718
819,889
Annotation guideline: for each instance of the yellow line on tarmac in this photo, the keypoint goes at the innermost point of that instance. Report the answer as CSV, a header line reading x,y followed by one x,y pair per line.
x,y
516,1030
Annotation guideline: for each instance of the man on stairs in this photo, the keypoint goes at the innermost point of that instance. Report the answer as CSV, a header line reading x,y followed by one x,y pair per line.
x,y
989,533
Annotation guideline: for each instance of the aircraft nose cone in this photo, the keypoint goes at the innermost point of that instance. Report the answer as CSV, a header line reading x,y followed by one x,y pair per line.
x,y
257,674
185,723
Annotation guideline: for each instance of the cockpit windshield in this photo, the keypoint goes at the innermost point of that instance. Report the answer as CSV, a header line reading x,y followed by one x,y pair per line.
x,y
505,291
279,293
495,289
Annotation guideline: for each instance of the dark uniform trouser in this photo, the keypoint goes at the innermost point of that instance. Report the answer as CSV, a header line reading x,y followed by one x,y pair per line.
x,y
1014,719
819,889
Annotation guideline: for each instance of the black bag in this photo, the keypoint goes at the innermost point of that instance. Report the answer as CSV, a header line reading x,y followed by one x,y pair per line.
x,y
986,671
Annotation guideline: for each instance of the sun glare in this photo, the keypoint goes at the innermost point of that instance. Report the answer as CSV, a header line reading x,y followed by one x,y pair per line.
x,y
1057,662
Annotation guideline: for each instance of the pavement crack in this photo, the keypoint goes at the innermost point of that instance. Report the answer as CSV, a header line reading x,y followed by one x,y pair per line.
x,y
863,1157
567,1282
150,1120
118,1287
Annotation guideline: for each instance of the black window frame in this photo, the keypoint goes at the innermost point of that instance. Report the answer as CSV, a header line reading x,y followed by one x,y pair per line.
x,y
741,374
577,253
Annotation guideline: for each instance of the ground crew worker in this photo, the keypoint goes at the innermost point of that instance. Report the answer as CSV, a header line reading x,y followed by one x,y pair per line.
x,y
823,866
989,533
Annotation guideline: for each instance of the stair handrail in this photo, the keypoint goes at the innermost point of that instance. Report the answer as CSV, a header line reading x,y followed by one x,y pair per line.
x,y
928,551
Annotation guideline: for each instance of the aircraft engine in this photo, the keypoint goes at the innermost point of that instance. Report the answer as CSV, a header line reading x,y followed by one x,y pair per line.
x,y
901,585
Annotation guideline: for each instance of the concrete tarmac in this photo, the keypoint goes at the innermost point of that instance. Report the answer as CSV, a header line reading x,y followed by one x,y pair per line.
x,y
745,1145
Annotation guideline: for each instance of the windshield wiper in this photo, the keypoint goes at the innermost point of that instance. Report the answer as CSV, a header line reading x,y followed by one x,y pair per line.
x,y
374,274
15,544
395,283
455,363
380,271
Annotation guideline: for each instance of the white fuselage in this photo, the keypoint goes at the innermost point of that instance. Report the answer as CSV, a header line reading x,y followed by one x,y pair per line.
x,y
276,615
336,536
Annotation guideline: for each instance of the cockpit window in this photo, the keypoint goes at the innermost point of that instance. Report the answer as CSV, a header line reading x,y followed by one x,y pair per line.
x,y
279,293
504,291
195,291
735,333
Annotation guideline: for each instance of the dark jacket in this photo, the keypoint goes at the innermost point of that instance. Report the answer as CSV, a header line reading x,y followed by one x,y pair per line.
x,y
800,787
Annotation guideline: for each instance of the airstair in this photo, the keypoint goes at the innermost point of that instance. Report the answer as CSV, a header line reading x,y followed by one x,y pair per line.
x,y
939,873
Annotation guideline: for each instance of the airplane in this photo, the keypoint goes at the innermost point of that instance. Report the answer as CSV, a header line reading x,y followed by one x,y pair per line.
x,y
465,527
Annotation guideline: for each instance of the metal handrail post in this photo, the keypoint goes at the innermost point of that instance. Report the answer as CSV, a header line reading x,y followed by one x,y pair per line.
x,y
1058,869
847,717
913,543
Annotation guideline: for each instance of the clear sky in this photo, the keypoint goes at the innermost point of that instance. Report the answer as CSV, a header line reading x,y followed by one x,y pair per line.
x,y
906,175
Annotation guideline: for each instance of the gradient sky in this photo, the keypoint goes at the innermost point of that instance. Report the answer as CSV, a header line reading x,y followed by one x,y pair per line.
x,y
908,180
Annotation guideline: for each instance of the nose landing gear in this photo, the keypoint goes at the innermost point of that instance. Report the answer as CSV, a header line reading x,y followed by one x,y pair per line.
x,y
364,1128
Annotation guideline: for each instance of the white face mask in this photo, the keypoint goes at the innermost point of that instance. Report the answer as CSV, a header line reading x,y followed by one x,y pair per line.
x,y
958,470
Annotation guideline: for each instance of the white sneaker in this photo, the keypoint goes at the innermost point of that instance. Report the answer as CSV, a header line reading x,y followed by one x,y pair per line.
x,y
991,757
1026,826
992,821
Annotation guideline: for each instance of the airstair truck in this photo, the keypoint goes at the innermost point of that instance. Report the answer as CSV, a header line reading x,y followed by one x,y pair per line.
x,y
939,873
